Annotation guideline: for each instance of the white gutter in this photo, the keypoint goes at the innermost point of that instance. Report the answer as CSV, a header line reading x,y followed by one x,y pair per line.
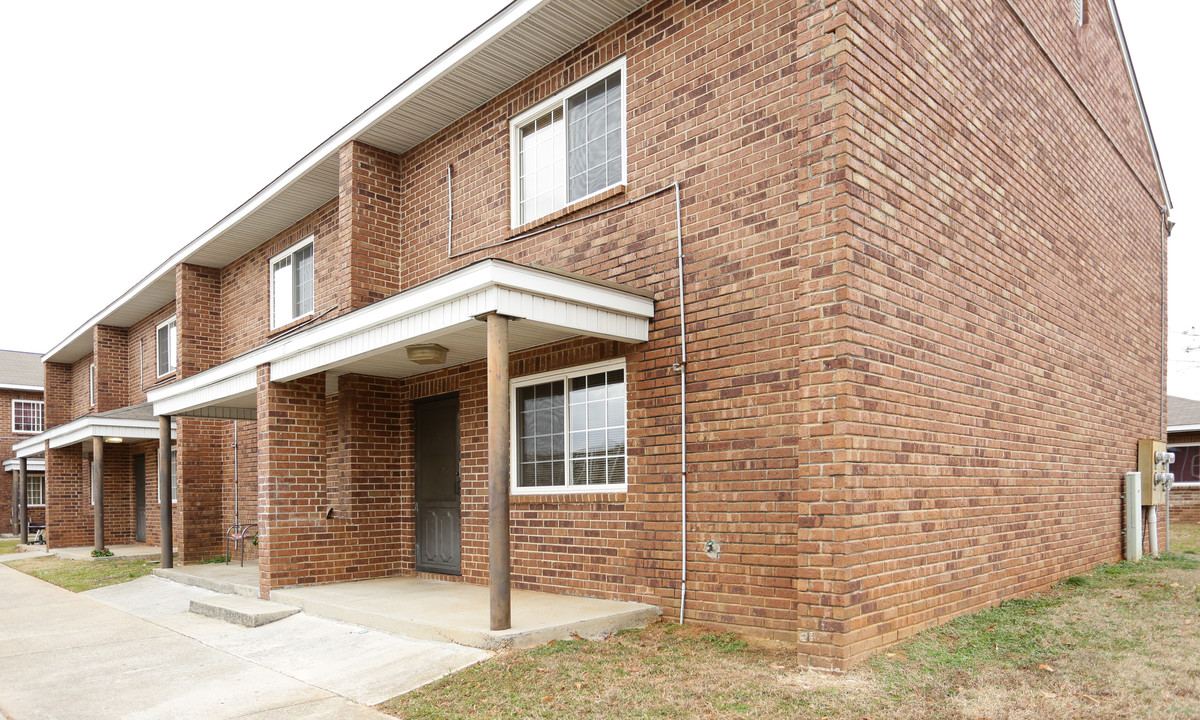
x,y
28,388
31,464
447,61
1182,428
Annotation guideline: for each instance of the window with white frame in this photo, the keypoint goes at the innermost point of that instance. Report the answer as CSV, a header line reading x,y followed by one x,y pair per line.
x,y
165,345
28,416
292,283
174,476
92,384
569,430
1080,12
570,146
35,489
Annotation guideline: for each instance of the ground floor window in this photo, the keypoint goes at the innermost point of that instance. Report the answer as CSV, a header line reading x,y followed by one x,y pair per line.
x,y
1187,463
35,489
569,430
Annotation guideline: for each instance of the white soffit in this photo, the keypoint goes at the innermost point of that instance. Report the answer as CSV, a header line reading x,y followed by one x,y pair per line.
x,y
517,41
549,306
87,427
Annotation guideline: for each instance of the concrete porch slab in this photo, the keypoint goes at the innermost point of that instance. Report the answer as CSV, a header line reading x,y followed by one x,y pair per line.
x,y
458,612
244,611
218,577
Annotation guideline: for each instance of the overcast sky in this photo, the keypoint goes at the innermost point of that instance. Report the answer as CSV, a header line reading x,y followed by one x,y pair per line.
x,y
133,127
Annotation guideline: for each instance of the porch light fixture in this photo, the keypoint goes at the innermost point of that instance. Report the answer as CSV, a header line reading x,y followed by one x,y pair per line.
x,y
114,440
429,354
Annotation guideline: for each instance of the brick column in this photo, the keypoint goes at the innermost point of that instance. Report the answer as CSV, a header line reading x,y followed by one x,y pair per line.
x,y
197,318
68,511
369,215
292,541
109,351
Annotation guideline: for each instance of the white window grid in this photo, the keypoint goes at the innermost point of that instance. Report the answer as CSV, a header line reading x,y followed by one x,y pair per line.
x,y
28,417
35,490
569,147
593,436
292,279
92,384
166,347
1080,12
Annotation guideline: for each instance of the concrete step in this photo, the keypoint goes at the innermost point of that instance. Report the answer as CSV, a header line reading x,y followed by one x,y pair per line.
x,y
218,578
250,612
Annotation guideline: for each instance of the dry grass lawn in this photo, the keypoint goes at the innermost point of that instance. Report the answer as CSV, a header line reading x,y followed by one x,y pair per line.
x,y
81,575
9,545
1120,642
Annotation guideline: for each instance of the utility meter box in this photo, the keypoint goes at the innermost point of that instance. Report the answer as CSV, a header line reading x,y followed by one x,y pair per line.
x,y
1154,463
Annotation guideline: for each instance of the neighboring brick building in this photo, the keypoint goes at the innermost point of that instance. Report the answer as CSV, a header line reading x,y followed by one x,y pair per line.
x,y
21,416
1183,439
918,250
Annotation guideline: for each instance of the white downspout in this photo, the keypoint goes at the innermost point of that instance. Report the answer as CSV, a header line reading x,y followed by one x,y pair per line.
x,y
681,367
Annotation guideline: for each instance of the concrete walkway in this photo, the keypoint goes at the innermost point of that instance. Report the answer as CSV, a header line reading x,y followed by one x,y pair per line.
x,y
132,651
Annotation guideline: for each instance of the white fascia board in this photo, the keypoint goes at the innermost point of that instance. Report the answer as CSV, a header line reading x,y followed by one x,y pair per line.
x,y
480,38
219,387
88,427
30,447
31,465
1182,428
29,388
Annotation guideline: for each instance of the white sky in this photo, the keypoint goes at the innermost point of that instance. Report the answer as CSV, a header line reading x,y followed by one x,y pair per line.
x,y
133,127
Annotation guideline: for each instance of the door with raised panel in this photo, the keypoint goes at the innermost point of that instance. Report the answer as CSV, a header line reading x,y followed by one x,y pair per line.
x,y
439,523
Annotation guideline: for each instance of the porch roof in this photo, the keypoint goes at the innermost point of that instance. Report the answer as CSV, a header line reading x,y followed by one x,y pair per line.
x,y
36,465
135,422
550,305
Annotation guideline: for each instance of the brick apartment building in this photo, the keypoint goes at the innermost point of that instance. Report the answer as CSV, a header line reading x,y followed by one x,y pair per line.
x,y
827,321
21,416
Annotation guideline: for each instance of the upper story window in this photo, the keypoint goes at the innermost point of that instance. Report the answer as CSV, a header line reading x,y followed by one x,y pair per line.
x,y
28,416
569,147
92,384
1080,12
569,431
292,283
165,343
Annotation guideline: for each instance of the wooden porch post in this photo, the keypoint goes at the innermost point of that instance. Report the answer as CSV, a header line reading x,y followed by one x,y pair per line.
x,y
164,491
98,489
23,506
499,567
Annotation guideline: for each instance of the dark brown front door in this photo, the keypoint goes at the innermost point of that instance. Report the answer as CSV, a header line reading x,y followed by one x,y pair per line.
x,y
439,525
139,498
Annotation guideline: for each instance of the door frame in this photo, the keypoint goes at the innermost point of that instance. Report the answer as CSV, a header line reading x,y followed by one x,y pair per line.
x,y
433,400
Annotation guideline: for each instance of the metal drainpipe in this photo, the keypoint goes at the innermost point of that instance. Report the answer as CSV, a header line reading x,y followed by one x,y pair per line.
x,y
681,367
237,518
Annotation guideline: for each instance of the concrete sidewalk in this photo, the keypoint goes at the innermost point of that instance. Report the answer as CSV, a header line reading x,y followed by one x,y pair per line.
x,y
66,656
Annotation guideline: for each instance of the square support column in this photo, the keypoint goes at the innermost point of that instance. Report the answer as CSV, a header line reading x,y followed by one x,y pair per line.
x,y
499,562
23,506
165,508
98,490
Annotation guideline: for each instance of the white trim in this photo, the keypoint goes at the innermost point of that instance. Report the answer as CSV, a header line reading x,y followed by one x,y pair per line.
x,y
29,476
582,307
564,374
13,416
288,254
92,385
86,427
30,388
35,464
1181,444
1182,428
560,99
172,348
473,43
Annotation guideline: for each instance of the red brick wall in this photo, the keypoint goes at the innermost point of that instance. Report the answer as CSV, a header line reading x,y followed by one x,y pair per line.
x,y
69,518
366,257
80,393
198,294
246,284
200,455
110,351
1001,270
141,361
59,391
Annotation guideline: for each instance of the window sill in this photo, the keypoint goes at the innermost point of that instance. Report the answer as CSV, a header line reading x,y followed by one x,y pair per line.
x,y
607,497
277,331
588,201
28,432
